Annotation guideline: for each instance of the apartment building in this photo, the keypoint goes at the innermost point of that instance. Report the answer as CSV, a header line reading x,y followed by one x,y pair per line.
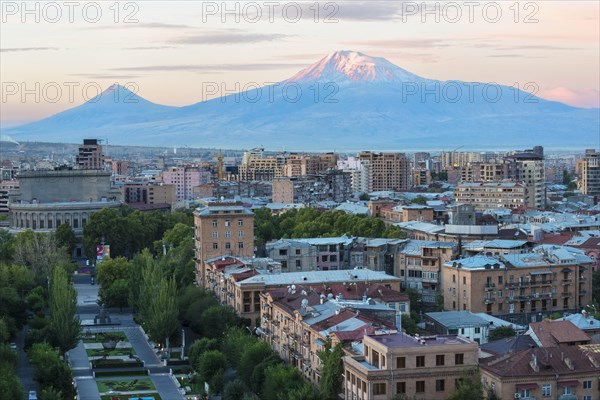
x,y
564,373
396,364
528,167
185,178
481,172
489,196
222,229
590,173
333,185
419,263
411,212
238,281
90,155
298,322
147,193
6,187
519,287
421,176
386,171
299,164
312,254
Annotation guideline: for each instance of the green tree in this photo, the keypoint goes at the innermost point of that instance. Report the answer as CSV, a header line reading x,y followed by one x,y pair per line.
x,y
409,325
110,225
111,269
235,342
199,347
139,264
51,394
10,385
117,295
332,372
414,296
422,200
210,363
308,391
491,395
7,249
234,390
65,237
161,320
64,324
469,387
280,380
217,319
253,364
439,301
40,253
50,371
502,332
364,197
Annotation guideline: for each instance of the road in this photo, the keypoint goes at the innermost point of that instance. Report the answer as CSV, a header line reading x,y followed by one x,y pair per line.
x,y
24,368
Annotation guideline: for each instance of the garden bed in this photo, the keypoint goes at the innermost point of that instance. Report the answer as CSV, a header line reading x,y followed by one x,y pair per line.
x,y
129,351
129,372
116,363
125,385
103,336
154,396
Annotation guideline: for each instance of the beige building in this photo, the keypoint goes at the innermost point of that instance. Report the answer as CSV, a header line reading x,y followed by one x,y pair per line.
x,y
90,155
590,173
387,171
489,196
412,212
222,229
145,193
564,373
396,364
519,287
421,177
298,322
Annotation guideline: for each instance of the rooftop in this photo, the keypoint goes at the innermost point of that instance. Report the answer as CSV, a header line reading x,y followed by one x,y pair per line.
x,y
457,319
319,277
402,340
551,333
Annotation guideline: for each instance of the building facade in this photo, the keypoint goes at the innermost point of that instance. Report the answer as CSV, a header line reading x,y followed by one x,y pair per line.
x,y
489,196
396,364
387,171
590,173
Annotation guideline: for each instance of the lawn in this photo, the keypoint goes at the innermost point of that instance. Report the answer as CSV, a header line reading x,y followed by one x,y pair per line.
x,y
107,353
125,385
102,336
131,396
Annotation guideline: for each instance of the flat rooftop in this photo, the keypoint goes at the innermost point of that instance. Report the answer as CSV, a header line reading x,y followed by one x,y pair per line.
x,y
402,340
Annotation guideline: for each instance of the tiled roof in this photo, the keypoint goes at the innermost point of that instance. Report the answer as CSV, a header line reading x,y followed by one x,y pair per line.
x,y
552,333
551,362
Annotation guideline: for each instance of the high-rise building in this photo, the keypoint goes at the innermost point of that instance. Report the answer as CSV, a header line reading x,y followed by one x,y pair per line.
x,y
387,171
590,173
528,167
185,179
90,155
489,196
224,228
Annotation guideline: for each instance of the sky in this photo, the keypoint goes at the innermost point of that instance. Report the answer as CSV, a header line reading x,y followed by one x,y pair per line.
x,y
54,57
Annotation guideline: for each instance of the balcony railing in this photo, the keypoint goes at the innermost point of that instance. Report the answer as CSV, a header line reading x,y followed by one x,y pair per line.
x,y
567,281
490,300
566,294
490,286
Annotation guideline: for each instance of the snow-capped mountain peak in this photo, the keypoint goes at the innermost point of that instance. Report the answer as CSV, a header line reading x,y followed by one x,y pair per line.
x,y
353,66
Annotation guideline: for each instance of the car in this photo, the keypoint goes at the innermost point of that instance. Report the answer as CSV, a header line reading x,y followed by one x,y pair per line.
x,y
13,346
32,395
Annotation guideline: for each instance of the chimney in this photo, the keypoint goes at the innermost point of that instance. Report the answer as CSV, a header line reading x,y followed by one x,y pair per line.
x,y
398,321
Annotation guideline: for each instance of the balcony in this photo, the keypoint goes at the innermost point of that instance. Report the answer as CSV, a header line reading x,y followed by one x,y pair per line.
x,y
566,294
490,300
565,282
490,286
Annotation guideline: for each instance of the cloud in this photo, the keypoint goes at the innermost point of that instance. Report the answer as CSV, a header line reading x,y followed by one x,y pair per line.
x,y
232,37
513,56
17,49
104,76
145,25
364,10
585,97
150,48
401,43
210,69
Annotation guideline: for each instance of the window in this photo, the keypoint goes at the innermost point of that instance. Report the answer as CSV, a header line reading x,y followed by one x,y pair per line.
x,y
378,388
440,385
464,280
297,252
420,361
567,390
400,362
500,280
400,387
440,359
240,245
240,222
420,387
215,246
453,278
227,222
227,234
241,234
477,330
546,390
298,264
459,359
228,245
587,384
587,397
215,234
214,222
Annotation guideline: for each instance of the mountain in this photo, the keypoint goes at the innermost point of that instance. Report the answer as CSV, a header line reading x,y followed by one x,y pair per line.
x,y
346,101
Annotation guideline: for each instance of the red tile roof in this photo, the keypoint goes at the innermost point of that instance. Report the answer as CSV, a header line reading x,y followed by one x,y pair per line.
x,y
553,333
